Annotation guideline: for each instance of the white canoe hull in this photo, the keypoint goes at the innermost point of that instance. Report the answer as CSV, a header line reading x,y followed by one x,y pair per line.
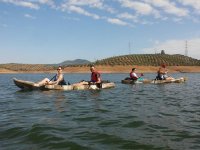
x,y
29,85
94,87
145,81
26,85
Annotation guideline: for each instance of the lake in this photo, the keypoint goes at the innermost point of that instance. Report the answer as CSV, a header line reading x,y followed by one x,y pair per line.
x,y
142,116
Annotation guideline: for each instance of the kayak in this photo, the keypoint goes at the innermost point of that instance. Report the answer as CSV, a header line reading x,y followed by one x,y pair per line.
x,y
26,85
177,80
29,85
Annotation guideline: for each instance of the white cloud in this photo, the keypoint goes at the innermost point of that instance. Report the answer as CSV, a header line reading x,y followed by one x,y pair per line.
x,y
136,11
169,7
99,4
193,3
91,3
177,47
139,7
79,10
127,16
117,21
22,3
47,2
29,16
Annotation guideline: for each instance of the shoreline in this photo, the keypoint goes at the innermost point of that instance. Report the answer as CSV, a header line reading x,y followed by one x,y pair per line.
x,y
113,69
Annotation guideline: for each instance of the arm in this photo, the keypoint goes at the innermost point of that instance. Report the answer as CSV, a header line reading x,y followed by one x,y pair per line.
x,y
134,76
161,71
98,76
98,79
60,78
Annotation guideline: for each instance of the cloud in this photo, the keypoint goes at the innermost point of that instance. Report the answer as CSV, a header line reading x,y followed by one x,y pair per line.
x,y
139,7
136,11
169,7
177,47
117,21
47,2
193,3
127,16
91,3
22,3
29,16
79,10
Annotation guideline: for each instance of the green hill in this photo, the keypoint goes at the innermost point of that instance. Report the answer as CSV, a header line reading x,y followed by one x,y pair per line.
x,y
150,60
134,59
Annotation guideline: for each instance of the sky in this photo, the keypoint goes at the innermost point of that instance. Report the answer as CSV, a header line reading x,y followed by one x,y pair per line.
x,y
52,31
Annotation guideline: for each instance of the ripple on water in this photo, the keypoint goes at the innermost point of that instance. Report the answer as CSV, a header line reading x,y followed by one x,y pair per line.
x,y
144,117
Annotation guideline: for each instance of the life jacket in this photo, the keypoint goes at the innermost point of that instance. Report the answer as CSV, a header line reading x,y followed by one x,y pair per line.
x,y
133,77
95,76
160,76
62,82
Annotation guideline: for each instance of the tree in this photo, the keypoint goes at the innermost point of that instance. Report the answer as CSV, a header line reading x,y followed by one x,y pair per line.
x,y
162,52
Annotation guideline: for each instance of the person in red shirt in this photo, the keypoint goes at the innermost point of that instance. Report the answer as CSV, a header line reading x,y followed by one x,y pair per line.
x,y
95,78
95,75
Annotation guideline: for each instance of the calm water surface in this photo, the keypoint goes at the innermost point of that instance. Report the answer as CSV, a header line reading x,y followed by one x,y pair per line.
x,y
160,117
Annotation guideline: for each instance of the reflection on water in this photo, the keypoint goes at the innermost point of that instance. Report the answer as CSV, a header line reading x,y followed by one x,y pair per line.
x,y
142,116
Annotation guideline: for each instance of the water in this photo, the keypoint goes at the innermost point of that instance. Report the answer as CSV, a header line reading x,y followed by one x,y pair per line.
x,y
161,117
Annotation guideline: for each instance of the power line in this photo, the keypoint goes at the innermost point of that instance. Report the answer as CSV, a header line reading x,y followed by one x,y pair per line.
x,y
129,47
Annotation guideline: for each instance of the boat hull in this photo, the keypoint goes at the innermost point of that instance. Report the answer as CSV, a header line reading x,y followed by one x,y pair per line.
x,y
94,86
26,85
59,87
145,81
29,85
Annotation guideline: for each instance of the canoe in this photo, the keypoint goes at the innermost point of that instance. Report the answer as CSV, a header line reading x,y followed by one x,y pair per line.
x,y
59,87
145,81
29,85
26,85
95,86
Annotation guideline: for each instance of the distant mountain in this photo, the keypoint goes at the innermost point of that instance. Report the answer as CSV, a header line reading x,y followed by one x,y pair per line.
x,y
74,62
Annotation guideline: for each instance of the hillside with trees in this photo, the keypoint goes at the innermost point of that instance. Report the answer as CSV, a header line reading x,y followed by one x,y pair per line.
x,y
124,60
150,60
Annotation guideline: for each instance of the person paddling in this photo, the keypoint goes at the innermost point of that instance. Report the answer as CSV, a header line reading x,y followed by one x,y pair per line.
x,y
95,75
133,74
162,73
94,79
58,79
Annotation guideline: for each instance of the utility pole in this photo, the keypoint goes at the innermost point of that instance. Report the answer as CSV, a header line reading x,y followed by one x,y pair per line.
x,y
129,47
186,48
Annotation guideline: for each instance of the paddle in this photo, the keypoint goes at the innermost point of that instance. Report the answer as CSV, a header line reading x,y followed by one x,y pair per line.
x,y
53,77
